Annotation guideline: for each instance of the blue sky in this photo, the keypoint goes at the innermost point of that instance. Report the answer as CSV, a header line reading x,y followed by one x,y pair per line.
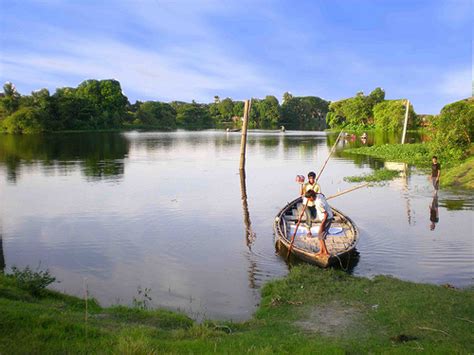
x,y
185,50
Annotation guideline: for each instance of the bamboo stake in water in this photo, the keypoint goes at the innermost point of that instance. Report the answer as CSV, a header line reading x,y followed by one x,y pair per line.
x,y
406,122
329,155
243,141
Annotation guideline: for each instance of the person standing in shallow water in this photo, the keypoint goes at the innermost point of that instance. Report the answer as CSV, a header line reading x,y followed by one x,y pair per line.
x,y
435,172
310,211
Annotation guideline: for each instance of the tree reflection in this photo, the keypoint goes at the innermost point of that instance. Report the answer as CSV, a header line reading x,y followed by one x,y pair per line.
x,y
99,155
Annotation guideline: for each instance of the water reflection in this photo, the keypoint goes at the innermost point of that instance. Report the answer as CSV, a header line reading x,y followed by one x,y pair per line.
x,y
434,213
98,155
2,255
250,235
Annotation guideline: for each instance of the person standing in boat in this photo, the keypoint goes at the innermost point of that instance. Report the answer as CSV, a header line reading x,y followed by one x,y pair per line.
x,y
310,211
325,211
435,172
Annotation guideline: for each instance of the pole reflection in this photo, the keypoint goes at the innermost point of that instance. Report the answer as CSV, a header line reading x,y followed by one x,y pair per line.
x,y
250,235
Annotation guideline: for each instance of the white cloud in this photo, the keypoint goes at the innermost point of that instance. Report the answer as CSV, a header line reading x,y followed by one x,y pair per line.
x,y
164,69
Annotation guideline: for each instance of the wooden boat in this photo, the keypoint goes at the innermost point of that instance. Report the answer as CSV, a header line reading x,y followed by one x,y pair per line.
x,y
340,241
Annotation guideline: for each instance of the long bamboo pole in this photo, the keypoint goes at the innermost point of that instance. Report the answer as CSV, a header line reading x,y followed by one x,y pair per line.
x,y
406,122
348,190
296,230
329,155
243,140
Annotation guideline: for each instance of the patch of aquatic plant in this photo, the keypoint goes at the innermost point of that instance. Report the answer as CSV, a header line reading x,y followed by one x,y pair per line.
x,y
376,176
416,154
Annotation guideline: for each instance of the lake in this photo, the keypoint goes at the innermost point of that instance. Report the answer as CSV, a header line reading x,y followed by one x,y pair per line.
x,y
158,218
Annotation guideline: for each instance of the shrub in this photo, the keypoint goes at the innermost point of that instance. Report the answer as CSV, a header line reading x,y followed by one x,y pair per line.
x,y
25,120
32,281
452,130
390,115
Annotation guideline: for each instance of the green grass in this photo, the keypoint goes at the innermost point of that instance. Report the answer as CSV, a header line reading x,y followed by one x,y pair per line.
x,y
461,175
453,174
376,176
310,311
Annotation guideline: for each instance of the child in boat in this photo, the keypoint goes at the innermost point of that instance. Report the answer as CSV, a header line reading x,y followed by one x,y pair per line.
x,y
310,211
310,185
324,210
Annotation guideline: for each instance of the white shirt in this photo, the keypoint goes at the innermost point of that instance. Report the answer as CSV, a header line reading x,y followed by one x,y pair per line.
x,y
323,206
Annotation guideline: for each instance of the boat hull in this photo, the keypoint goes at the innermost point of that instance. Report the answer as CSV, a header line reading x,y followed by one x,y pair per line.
x,y
339,247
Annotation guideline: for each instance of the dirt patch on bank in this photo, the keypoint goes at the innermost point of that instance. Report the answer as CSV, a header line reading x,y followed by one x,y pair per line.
x,y
334,319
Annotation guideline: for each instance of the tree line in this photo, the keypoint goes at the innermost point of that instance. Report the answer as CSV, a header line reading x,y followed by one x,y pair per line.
x,y
101,104
371,111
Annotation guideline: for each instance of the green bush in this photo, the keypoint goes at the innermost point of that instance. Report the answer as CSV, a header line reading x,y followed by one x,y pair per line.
x,y
452,130
390,115
25,120
32,281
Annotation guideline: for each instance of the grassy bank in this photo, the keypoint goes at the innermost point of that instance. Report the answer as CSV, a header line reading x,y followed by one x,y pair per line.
x,y
453,174
459,176
310,311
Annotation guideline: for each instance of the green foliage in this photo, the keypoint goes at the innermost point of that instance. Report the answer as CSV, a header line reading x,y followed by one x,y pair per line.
x,y
156,114
193,116
355,111
304,112
362,112
25,120
32,281
376,176
376,96
452,131
268,112
417,154
10,101
460,175
390,115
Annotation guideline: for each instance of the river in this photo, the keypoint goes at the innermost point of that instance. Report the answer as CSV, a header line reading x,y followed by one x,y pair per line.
x,y
161,214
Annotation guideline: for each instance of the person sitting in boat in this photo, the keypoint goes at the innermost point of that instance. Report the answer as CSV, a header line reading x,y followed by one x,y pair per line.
x,y
324,210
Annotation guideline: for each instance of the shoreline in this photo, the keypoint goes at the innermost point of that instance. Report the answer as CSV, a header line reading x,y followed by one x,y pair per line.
x,y
458,175
307,310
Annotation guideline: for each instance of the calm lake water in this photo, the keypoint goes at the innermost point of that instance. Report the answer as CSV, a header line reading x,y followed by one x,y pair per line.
x,y
164,212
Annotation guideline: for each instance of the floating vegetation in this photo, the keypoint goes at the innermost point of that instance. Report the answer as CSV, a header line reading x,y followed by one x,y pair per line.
x,y
376,176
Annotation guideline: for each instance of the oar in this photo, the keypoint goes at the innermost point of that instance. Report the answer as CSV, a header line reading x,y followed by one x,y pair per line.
x,y
347,191
296,229
329,155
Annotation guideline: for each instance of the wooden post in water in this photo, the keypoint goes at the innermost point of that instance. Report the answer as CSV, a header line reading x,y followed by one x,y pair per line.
x,y
406,122
243,141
